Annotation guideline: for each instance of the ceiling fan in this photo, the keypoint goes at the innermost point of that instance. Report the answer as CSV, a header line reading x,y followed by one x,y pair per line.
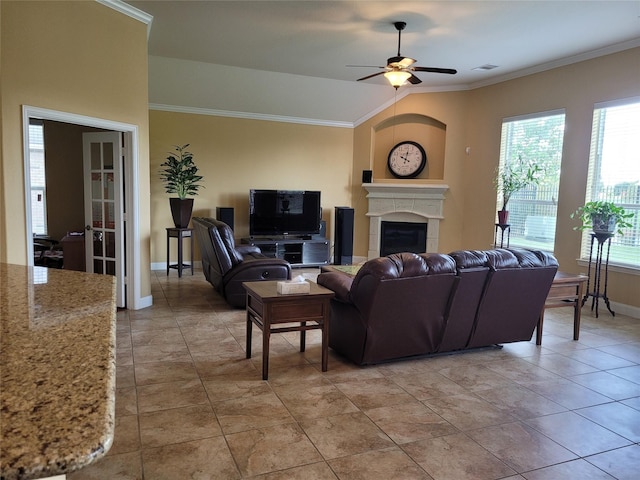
x,y
400,69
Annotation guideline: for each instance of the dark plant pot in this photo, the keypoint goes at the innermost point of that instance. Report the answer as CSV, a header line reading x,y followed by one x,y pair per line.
x,y
181,209
503,217
603,223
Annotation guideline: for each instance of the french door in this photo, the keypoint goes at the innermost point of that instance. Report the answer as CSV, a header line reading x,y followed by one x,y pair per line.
x,y
103,206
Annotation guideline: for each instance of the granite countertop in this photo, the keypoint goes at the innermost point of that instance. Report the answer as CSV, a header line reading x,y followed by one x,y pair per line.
x,y
57,370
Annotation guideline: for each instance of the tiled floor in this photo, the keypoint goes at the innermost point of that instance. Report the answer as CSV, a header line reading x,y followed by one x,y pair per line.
x,y
189,405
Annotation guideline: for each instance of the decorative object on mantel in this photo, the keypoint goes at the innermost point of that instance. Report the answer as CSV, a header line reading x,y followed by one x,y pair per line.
x,y
407,160
510,178
180,176
602,217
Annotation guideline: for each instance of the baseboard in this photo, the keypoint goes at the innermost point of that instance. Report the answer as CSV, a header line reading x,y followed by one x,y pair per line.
x,y
628,310
143,302
163,265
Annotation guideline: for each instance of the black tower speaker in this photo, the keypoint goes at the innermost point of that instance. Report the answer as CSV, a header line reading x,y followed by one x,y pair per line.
x,y
343,236
225,214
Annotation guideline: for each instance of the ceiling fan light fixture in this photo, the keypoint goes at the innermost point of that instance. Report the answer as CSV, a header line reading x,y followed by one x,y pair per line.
x,y
397,78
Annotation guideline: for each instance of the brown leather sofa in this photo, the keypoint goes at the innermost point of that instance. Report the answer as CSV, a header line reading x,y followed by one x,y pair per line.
x,y
407,304
226,265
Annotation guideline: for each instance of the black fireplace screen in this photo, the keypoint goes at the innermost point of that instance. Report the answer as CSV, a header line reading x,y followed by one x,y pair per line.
x,y
396,237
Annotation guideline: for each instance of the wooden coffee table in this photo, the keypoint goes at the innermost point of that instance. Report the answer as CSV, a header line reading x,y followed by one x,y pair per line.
x,y
293,312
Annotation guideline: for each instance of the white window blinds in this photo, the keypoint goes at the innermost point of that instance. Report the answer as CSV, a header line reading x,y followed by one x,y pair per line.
x,y
38,178
614,173
536,139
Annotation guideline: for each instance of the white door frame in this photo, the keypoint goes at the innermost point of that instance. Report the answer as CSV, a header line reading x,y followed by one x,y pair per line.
x,y
132,195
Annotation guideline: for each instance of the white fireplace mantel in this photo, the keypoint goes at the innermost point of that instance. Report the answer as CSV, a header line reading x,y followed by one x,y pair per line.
x,y
406,190
405,202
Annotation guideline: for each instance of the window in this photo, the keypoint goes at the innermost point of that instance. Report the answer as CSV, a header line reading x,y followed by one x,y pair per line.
x,y
534,139
38,178
614,173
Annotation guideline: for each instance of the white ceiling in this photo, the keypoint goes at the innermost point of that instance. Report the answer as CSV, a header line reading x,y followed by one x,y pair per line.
x,y
230,55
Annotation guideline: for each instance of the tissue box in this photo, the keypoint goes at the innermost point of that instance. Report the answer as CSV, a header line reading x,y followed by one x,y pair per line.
x,y
289,287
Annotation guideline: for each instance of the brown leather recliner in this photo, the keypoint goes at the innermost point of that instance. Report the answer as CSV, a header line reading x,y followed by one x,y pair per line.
x,y
226,265
517,287
394,307
472,269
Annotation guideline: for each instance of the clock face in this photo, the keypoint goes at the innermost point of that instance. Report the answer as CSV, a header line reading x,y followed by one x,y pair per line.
x,y
407,160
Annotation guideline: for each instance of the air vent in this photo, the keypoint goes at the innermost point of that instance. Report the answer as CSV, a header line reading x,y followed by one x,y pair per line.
x,y
486,66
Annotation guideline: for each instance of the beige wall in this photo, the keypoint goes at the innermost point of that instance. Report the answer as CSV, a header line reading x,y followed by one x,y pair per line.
x,y
575,88
3,220
449,159
428,132
474,119
234,155
84,58
76,57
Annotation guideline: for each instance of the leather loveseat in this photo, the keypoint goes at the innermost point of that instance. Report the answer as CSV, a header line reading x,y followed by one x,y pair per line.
x,y
409,304
226,265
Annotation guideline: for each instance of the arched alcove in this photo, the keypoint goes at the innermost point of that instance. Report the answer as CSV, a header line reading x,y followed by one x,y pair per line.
x,y
427,131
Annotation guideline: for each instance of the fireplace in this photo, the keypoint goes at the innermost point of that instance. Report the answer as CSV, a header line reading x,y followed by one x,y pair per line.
x,y
405,203
396,237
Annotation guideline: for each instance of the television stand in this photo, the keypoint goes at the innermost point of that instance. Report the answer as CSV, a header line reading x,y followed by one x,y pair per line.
x,y
299,251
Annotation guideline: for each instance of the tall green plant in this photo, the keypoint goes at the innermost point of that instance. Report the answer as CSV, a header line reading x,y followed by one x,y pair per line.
x,y
514,176
180,173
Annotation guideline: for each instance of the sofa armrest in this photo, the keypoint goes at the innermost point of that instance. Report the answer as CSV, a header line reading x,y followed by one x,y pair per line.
x,y
245,250
339,282
251,264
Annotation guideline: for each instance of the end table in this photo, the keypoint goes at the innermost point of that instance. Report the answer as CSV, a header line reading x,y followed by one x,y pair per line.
x,y
593,290
266,308
500,231
180,234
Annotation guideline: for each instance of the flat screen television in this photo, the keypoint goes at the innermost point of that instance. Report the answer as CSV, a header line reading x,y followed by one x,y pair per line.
x,y
284,212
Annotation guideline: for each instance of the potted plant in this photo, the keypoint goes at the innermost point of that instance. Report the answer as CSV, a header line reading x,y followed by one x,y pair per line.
x,y
602,217
180,176
512,177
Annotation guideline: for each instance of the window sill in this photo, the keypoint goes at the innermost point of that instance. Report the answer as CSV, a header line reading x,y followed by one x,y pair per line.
x,y
613,267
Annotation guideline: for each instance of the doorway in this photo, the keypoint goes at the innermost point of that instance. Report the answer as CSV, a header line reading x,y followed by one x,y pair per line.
x,y
130,255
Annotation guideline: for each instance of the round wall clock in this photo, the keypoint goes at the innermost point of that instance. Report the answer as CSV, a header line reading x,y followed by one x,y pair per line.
x,y
407,159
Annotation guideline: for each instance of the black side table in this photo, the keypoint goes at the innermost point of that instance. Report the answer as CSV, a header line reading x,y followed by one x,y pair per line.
x,y
594,291
180,234
502,227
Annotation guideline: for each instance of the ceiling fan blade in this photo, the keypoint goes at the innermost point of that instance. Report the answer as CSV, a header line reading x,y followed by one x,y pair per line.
x,y
450,71
401,64
371,76
367,66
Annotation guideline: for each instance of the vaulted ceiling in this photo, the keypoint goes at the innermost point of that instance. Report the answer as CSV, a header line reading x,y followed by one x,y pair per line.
x,y
291,58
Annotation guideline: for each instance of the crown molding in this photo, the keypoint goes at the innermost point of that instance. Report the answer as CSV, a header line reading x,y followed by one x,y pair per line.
x,y
128,10
249,116
562,62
